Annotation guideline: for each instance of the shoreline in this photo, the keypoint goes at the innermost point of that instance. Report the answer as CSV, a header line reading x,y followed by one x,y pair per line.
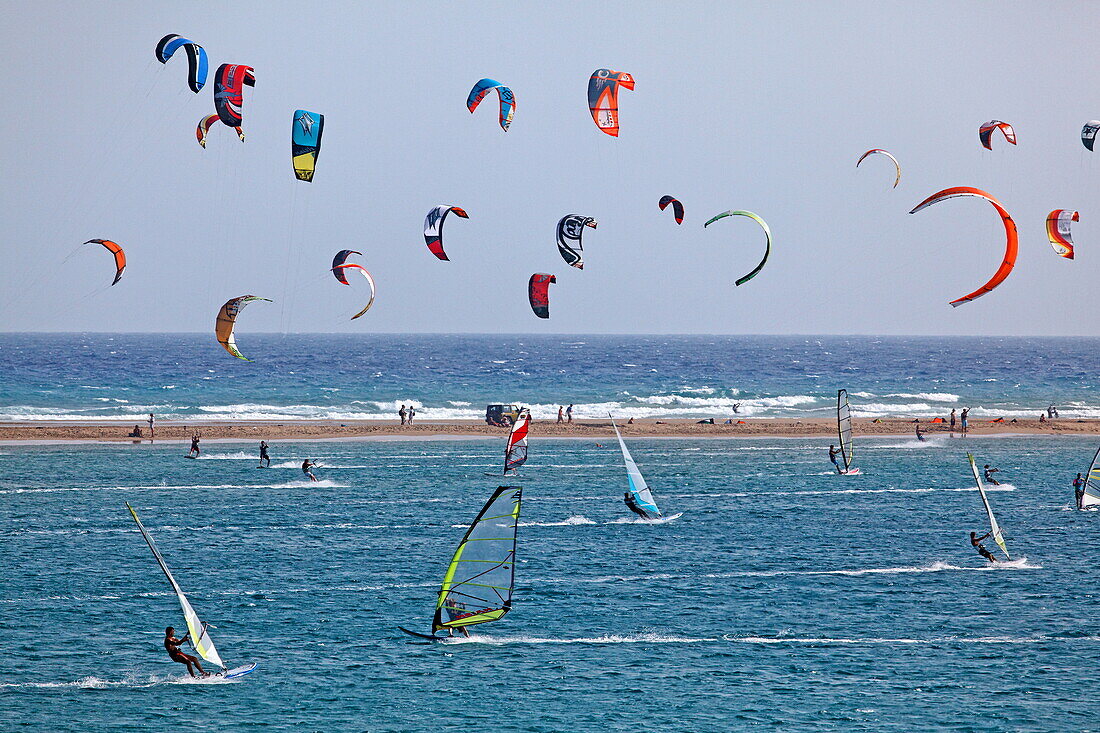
x,y
181,431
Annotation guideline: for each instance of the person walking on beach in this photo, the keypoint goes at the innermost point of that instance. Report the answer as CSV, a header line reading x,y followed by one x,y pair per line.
x,y
833,453
1078,490
172,646
561,414
402,413
952,419
988,474
264,457
569,414
962,417
412,414
152,421
977,542
307,466
194,452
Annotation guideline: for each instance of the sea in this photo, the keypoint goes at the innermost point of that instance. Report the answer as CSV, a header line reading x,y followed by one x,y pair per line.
x,y
775,594
363,377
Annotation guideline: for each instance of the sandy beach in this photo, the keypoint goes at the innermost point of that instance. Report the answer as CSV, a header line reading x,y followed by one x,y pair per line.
x,y
313,430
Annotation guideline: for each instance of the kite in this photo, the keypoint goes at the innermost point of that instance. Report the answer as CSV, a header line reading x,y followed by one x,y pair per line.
x,y
197,65
120,256
1011,244
1058,231
677,208
340,258
570,229
370,281
1088,133
433,228
204,128
507,100
767,234
985,133
229,84
227,318
880,151
538,292
603,98
305,142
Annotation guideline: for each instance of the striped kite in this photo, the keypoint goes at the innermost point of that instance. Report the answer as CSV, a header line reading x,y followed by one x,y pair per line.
x,y
507,100
985,133
1058,222
603,98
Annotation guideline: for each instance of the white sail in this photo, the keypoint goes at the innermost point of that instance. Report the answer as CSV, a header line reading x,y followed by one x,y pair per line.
x,y
200,639
638,487
844,427
1091,497
994,528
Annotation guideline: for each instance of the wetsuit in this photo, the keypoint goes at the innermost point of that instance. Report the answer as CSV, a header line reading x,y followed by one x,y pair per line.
x,y
1078,491
631,504
263,454
833,453
989,476
981,549
306,466
172,646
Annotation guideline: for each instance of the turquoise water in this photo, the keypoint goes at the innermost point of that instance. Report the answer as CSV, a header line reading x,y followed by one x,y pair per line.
x,y
785,597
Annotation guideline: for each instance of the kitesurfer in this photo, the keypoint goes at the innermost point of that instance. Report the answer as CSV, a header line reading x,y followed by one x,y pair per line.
x,y
833,453
977,542
264,457
1078,489
632,504
920,435
988,474
172,645
307,465
195,451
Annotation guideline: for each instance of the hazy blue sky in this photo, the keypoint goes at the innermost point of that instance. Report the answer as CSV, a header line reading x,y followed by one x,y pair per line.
x,y
762,106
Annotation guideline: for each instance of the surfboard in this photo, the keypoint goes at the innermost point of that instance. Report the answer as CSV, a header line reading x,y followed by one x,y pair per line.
x,y
422,636
852,472
191,457
236,672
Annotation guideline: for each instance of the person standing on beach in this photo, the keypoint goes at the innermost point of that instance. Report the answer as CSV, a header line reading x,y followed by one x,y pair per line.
x,y
952,419
569,414
988,473
561,414
307,466
976,541
412,414
1078,490
833,453
264,457
962,417
194,452
152,421
402,413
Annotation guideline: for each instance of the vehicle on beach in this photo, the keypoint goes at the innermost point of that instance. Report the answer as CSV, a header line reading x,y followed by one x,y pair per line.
x,y
503,416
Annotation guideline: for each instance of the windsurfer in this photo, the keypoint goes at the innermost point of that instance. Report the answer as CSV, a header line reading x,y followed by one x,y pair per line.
x,y
833,453
632,504
172,645
977,542
988,475
1078,489
307,466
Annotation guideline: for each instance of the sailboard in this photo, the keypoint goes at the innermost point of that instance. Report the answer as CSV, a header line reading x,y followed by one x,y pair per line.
x,y
477,587
1090,499
515,452
639,489
844,429
199,637
994,528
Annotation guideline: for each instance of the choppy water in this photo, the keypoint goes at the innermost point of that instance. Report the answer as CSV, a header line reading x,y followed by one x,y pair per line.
x,y
785,596
348,377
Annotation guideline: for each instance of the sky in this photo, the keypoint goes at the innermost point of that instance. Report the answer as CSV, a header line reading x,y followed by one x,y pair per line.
x,y
760,106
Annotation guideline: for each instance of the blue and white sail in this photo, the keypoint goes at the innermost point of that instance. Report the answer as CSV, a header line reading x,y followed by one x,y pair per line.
x,y
639,489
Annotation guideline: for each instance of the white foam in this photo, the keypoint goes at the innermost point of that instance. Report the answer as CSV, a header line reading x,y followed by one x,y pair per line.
x,y
572,521
606,639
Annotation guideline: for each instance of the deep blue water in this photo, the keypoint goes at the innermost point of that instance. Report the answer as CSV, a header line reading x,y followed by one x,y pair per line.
x,y
122,377
784,598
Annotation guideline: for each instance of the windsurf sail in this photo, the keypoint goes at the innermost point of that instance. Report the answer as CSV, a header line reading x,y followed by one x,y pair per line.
x,y
479,581
638,487
515,453
844,427
993,526
200,640
1091,497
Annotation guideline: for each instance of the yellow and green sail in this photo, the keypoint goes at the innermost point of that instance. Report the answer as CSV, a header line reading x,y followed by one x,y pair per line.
x,y
479,581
